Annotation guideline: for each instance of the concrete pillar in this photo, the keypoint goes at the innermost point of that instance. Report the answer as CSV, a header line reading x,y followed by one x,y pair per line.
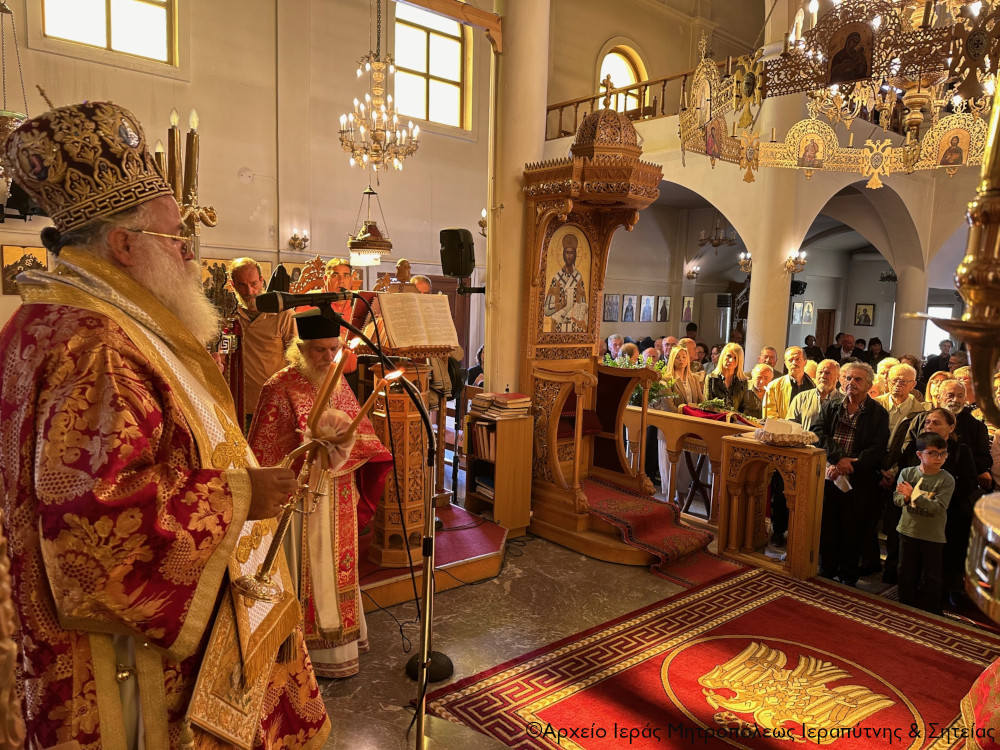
x,y
911,297
517,138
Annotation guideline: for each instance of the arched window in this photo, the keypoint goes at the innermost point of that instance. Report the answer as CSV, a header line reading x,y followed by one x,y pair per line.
x,y
430,54
625,70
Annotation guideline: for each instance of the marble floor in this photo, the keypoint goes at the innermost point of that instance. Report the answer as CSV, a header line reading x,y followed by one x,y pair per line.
x,y
544,592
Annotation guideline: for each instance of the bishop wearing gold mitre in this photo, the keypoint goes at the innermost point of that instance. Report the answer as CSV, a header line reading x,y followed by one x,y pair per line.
x,y
130,497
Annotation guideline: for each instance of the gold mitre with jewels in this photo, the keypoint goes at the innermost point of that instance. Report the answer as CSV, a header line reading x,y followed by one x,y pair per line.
x,y
83,162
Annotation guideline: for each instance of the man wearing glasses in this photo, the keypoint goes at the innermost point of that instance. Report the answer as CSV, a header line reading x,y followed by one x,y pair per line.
x,y
127,489
264,336
339,278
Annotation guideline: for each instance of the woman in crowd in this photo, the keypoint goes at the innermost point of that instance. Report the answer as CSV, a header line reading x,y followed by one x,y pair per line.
x,y
686,386
728,382
962,468
760,377
631,353
933,384
875,352
713,358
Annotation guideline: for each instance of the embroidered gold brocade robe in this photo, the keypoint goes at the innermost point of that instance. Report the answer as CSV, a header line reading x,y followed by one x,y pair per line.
x,y
118,525
278,428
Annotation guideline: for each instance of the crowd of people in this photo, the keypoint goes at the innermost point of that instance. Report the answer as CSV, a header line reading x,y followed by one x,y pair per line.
x,y
908,451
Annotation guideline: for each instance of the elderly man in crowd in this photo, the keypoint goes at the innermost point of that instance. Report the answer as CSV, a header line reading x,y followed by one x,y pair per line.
x,y
264,336
902,406
854,432
760,378
768,356
615,343
669,342
326,540
126,482
780,393
881,386
805,407
968,430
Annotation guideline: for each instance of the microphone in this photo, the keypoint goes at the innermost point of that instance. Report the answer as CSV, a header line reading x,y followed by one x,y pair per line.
x,y
273,302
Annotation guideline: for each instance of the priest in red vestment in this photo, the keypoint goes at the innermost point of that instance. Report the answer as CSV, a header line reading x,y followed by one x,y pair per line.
x,y
323,549
127,489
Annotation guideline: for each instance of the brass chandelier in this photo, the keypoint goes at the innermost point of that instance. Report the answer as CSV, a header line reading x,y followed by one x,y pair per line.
x,y
373,134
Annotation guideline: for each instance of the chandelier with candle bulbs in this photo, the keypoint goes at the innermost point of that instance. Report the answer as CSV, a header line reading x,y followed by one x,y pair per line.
x,y
923,70
373,135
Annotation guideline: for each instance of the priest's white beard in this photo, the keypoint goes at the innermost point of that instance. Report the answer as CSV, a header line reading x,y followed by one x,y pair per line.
x,y
181,293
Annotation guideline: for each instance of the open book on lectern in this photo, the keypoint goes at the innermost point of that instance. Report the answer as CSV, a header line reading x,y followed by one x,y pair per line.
x,y
417,320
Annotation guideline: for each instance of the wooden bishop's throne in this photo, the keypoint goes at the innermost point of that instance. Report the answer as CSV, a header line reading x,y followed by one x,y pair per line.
x,y
574,206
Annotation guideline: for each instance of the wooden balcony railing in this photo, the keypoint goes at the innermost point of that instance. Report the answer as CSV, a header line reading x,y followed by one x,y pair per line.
x,y
658,97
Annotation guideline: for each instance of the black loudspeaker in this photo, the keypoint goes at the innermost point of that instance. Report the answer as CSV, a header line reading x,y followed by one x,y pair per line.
x,y
458,255
798,287
723,300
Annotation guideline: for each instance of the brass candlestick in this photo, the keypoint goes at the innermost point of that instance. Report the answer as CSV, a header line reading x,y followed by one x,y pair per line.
x,y
261,587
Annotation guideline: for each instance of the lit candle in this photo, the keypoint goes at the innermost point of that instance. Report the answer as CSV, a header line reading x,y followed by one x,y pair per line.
x,y
813,11
191,161
161,159
174,155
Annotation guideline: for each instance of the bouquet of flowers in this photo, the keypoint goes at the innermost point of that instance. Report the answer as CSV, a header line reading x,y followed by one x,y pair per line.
x,y
657,390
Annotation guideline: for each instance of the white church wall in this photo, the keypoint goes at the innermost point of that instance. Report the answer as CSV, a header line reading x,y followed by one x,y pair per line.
x,y
863,287
233,85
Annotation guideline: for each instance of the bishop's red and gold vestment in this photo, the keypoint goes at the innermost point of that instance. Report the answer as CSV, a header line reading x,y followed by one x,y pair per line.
x,y
323,550
125,494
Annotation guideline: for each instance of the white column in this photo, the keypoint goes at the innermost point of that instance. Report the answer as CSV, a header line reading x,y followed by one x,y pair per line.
x,y
517,138
775,238
911,297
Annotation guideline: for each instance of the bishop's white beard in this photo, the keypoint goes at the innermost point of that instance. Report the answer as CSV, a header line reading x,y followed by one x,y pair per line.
x,y
181,293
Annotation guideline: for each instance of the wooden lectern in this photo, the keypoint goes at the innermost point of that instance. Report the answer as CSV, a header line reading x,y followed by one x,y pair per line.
x,y
747,465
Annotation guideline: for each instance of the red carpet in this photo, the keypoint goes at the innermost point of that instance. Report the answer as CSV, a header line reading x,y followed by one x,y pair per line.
x,y
465,536
656,527
751,657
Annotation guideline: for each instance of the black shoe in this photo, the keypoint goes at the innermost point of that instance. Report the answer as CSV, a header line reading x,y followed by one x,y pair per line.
x,y
778,539
889,576
853,583
868,570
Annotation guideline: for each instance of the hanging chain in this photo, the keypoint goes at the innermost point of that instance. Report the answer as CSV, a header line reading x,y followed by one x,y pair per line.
x,y
20,71
3,55
378,29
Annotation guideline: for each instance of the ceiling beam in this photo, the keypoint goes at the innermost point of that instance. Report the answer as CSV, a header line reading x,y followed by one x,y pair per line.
x,y
465,14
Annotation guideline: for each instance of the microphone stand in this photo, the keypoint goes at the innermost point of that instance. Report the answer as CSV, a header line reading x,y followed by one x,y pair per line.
x,y
429,665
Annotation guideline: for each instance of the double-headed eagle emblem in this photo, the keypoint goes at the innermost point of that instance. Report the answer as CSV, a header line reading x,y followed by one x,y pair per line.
x,y
756,682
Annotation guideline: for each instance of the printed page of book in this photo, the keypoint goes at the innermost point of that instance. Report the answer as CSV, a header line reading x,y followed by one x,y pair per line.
x,y
438,321
403,321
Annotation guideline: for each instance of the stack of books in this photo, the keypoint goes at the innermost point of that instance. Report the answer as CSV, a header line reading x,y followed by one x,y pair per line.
x,y
481,404
484,486
508,406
